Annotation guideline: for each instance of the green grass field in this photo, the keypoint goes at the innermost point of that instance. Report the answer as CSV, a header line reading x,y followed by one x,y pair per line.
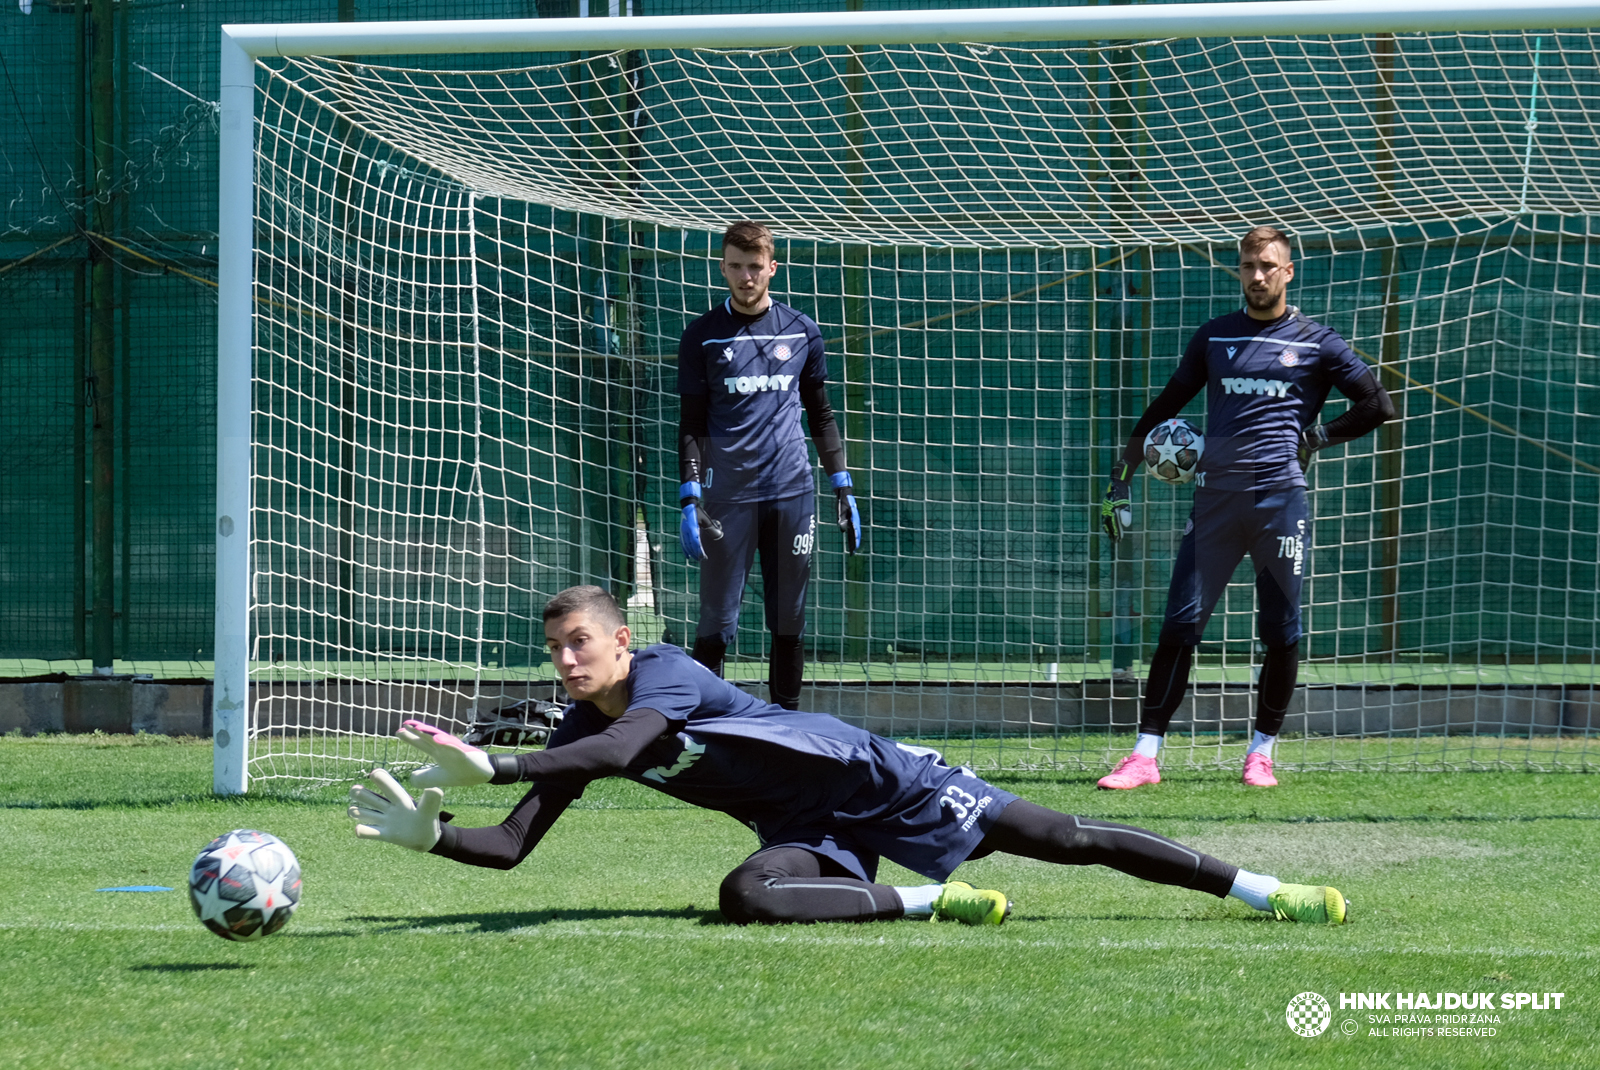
x,y
605,949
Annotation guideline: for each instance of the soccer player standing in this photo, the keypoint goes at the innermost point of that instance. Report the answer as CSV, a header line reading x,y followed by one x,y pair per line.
x,y
1267,370
745,371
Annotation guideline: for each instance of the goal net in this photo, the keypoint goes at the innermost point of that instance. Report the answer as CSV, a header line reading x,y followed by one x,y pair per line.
x,y
471,273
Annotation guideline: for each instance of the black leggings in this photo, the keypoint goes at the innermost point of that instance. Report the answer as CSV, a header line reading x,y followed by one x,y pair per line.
x,y
785,670
791,884
1169,681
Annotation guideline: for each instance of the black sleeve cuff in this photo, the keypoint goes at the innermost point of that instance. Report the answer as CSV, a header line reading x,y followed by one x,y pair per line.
x,y
449,839
505,769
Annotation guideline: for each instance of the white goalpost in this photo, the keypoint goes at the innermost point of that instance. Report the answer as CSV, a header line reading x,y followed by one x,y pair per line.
x,y
450,290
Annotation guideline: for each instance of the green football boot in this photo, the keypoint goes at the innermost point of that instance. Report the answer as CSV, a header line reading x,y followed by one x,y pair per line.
x,y
1315,904
960,901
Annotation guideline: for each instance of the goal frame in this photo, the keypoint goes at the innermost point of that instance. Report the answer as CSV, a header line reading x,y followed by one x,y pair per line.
x,y
242,45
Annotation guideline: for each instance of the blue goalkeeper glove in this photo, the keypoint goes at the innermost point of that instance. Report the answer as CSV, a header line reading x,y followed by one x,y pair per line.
x,y
849,515
1116,510
689,529
694,520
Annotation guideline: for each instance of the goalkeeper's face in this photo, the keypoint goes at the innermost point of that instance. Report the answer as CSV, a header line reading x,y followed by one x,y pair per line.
x,y
591,659
748,274
1264,273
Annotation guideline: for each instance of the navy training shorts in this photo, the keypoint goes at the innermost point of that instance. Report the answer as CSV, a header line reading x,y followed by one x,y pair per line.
x,y
914,810
785,532
1274,527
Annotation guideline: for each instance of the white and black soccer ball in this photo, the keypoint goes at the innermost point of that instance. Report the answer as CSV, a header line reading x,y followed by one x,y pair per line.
x,y
244,885
1173,449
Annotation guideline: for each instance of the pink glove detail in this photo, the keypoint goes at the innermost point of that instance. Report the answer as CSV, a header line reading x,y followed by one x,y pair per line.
x,y
451,762
439,735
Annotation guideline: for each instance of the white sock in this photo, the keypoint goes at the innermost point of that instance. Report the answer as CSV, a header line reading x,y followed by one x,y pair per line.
x,y
1253,889
1148,744
1260,744
918,901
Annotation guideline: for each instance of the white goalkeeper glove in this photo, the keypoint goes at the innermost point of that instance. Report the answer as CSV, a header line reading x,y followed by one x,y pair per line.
x,y
395,818
454,764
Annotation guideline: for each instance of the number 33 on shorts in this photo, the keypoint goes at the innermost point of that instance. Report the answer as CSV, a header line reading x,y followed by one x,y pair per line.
x,y
959,801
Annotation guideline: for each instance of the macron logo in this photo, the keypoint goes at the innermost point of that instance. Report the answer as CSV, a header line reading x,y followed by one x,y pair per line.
x,y
1272,388
755,384
688,756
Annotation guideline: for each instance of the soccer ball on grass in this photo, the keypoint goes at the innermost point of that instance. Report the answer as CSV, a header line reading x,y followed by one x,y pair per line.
x,y
1173,449
244,885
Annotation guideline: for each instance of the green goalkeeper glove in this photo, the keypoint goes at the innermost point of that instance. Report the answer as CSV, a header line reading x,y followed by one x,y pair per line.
x,y
1312,439
453,764
395,818
1116,511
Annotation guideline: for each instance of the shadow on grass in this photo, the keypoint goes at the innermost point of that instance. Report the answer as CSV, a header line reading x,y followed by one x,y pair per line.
x,y
1146,820
510,920
1219,918
190,967
327,798
334,798
506,920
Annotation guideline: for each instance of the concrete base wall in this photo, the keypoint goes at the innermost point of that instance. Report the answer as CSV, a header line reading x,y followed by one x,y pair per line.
x,y
1095,705
378,709
1113,706
121,706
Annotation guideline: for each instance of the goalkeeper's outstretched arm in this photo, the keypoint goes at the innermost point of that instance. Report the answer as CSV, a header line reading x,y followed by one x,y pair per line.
x,y
576,763
505,845
391,815
454,763
559,772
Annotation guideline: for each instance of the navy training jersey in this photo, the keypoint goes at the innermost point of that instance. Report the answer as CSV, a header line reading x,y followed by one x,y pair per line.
x,y
750,369
725,750
1265,383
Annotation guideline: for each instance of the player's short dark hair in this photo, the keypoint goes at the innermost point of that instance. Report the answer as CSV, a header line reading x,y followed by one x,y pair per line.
x,y
593,602
749,237
1261,237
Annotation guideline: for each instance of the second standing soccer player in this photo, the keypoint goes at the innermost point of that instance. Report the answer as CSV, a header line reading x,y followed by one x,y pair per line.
x,y
1267,370
745,371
